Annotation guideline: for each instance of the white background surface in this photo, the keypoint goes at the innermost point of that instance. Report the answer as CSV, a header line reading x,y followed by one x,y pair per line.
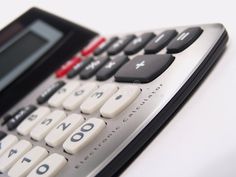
x,y
201,140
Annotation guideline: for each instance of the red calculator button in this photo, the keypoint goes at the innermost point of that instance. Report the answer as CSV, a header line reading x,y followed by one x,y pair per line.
x,y
64,69
92,46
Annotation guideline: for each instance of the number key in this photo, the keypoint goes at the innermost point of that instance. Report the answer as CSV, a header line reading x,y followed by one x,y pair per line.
x,y
49,167
82,136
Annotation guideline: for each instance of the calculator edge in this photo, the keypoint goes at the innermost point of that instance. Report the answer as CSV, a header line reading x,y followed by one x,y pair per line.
x,y
138,144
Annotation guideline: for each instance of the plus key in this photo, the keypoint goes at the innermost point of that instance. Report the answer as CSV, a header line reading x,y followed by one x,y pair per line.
x,y
144,68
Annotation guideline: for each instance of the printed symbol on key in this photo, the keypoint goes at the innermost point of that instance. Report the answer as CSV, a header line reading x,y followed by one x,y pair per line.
x,y
62,90
118,97
117,44
25,160
42,169
46,122
13,151
32,117
110,65
137,40
183,36
159,38
97,94
78,93
141,64
92,65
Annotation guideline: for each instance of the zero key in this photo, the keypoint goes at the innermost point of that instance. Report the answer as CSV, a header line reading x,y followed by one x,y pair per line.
x,y
184,40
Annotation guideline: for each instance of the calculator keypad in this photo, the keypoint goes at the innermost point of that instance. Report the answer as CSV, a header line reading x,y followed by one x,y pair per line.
x,y
88,100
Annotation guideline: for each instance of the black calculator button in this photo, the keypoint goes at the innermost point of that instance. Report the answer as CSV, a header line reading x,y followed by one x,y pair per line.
x,y
79,67
6,118
138,43
19,116
119,45
111,67
184,40
103,47
160,41
2,135
49,92
93,67
144,68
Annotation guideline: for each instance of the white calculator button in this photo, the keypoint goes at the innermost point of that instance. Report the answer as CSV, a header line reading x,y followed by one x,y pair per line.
x,y
26,163
42,129
57,99
79,95
13,154
7,142
97,98
26,126
119,101
59,133
49,167
84,135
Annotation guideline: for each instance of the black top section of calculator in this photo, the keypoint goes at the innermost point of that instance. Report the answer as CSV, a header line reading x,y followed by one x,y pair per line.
x,y
73,39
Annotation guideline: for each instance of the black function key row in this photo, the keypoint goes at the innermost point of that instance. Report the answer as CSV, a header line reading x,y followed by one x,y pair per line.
x,y
104,67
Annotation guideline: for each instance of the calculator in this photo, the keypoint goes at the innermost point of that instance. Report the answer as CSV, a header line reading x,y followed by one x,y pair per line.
x,y
79,104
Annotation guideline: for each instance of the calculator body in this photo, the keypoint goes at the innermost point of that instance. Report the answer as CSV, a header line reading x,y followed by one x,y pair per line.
x,y
126,134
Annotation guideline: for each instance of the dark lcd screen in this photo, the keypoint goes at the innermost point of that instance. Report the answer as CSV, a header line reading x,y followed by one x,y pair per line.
x,y
19,51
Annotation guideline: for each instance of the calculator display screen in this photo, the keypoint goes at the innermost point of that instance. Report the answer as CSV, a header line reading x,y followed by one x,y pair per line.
x,y
24,49
17,52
